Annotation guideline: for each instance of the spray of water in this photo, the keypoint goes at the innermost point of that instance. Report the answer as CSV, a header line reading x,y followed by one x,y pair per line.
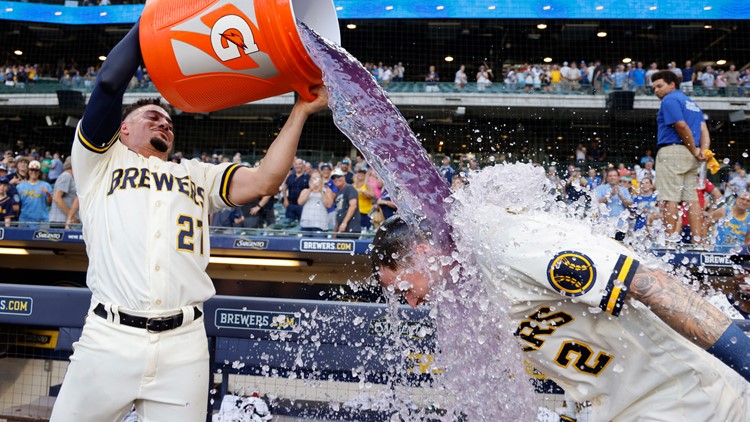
x,y
482,373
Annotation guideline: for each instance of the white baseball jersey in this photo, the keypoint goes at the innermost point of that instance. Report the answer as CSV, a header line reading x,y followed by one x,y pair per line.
x,y
145,223
567,290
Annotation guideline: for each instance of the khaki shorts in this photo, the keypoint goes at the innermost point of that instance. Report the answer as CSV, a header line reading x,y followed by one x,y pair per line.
x,y
676,174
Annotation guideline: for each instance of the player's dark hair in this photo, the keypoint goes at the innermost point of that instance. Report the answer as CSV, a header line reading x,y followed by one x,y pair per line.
x,y
144,102
667,76
392,242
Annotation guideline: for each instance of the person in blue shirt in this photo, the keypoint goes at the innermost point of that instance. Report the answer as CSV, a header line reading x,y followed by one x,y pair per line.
x,y
610,194
36,197
620,78
446,170
732,224
688,77
638,79
616,199
682,140
645,204
593,180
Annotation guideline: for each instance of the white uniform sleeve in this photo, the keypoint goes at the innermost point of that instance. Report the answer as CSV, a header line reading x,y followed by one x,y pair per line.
x,y
89,160
218,179
545,257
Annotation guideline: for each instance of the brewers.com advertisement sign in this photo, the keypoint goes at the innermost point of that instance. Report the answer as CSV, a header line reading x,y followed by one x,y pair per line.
x,y
332,246
12,305
254,320
716,260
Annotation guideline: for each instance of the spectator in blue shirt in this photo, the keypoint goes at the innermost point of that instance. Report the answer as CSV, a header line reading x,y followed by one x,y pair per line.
x,y
295,183
645,204
688,77
732,224
446,170
615,200
36,197
647,157
682,139
386,204
638,76
620,78
56,168
593,180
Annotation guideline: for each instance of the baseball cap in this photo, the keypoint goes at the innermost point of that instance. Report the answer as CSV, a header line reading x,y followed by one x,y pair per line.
x,y
4,180
35,165
325,166
337,172
3,167
565,63
362,170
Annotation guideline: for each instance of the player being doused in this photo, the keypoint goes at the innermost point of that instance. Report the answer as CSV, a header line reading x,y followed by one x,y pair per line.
x,y
604,323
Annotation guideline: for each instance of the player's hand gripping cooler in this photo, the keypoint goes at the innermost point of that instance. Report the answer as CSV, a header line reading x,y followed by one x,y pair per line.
x,y
204,58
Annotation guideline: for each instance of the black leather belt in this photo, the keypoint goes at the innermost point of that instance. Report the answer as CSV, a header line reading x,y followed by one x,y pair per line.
x,y
157,324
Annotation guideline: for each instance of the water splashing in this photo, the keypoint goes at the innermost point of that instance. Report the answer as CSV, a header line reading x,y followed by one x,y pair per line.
x,y
482,375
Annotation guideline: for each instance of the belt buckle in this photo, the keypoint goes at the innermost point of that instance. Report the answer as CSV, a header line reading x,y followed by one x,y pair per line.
x,y
151,329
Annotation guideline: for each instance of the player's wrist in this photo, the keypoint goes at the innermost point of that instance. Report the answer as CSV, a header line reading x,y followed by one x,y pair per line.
x,y
731,348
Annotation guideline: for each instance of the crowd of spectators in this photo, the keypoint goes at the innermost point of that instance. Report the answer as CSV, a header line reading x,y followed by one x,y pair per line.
x,y
67,72
597,78
584,77
347,199
342,200
386,74
625,195
37,190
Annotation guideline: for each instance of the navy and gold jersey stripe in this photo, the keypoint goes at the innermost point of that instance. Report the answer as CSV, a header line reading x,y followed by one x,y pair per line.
x,y
618,285
564,418
226,179
91,146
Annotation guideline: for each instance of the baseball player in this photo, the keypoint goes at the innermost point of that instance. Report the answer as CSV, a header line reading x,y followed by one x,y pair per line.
x,y
589,314
146,230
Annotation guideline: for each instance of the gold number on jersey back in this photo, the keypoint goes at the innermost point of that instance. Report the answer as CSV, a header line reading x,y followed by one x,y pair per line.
x,y
583,361
187,233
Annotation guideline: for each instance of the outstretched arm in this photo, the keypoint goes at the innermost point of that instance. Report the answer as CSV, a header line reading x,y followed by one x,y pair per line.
x,y
693,317
103,115
248,184
684,310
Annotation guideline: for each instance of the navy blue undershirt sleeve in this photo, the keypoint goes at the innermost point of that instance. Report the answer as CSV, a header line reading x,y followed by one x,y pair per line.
x,y
103,115
733,348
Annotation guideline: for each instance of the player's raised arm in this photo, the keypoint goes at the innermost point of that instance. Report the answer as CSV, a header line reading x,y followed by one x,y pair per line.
x,y
103,115
248,184
693,317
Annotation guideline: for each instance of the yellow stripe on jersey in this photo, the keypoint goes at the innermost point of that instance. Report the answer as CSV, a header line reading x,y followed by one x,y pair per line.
x,y
617,288
226,179
619,282
93,148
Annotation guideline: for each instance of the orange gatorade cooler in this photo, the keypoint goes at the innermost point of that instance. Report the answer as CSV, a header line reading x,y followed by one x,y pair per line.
x,y
205,55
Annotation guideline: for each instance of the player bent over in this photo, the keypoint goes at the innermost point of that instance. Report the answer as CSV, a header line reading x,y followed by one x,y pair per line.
x,y
145,223
638,359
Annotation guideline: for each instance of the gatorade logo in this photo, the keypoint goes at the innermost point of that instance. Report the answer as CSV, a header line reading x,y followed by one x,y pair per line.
x,y
231,36
223,38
